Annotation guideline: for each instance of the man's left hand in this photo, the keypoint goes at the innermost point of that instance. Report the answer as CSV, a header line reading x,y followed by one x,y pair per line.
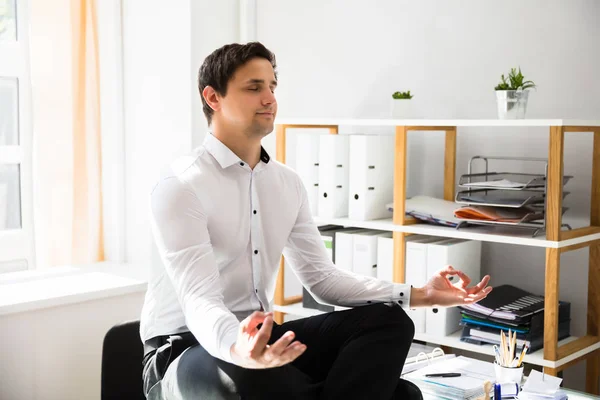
x,y
440,291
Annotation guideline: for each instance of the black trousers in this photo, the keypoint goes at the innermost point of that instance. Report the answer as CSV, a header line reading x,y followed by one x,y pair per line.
x,y
352,354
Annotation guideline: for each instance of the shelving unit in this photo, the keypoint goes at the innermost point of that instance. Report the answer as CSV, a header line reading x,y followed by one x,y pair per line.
x,y
555,355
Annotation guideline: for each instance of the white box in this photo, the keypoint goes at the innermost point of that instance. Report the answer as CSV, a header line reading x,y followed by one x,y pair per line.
x,y
333,176
365,252
307,166
416,272
371,182
385,259
344,248
463,255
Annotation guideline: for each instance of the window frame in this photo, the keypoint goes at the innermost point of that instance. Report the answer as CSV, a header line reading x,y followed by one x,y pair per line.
x,y
17,245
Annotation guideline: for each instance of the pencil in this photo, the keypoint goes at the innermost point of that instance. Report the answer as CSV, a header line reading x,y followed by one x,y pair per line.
x,y
513,353
502,347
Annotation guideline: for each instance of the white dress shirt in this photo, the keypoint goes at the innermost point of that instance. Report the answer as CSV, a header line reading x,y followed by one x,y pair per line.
x,y
220,229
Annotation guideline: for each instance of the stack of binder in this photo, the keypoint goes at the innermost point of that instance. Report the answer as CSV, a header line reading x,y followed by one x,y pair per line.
x,y
352,249
508,307
347,175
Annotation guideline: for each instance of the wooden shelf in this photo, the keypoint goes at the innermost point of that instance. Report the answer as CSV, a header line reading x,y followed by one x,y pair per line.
x,y
486,234
554,240
453,340
413,123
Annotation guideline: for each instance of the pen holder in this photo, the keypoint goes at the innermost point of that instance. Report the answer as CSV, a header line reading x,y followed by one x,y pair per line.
x,y
507,374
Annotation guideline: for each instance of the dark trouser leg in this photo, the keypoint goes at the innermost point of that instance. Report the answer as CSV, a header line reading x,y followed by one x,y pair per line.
x,y
354,354
358,353
198,375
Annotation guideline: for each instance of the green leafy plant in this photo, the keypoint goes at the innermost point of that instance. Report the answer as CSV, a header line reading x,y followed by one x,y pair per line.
x,y
402,95
516,81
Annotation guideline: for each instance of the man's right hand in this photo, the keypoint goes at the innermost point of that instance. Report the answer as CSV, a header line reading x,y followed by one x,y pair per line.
x,y
251,350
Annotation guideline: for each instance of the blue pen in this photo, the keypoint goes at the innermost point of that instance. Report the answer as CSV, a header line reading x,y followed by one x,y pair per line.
x,y
498,358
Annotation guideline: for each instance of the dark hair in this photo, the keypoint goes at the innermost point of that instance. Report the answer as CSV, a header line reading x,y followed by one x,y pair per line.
x,y
218,68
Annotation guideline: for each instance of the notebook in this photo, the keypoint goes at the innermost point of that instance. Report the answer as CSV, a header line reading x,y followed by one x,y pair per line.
x,y
507,302
423,358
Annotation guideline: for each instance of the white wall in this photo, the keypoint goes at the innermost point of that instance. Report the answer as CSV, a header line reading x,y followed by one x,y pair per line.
x,y
345,58
55,353
157,106
214,24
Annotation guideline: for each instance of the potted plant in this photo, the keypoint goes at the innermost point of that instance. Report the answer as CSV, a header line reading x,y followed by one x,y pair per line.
x,y
512,95
401,105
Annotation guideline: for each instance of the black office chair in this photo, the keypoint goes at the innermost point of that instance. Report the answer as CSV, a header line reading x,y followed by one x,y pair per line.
x,y
121,375
122,352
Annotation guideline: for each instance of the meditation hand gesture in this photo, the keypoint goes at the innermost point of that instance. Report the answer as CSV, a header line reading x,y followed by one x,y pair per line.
x,y
251,350
440,291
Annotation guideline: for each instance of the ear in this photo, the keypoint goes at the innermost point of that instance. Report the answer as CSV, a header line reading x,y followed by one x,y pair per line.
x,y
212,98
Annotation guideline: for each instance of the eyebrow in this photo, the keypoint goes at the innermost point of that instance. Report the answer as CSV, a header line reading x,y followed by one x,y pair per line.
x,y
260,81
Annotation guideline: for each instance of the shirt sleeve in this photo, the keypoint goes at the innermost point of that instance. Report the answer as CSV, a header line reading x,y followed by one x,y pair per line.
x,y
179,226
308,257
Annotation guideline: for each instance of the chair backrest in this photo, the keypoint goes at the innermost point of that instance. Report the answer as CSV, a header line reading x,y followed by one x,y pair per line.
x,y
122,353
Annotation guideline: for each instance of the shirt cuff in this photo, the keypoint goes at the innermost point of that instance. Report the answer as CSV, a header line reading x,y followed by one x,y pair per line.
x,y
401,294
226,343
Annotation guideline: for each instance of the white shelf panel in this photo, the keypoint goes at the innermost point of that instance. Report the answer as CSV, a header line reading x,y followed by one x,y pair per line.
x,y
486,234
453,340
437,122
535,358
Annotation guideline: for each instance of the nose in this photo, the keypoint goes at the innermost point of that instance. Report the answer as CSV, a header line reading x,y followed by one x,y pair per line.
x,y
268,98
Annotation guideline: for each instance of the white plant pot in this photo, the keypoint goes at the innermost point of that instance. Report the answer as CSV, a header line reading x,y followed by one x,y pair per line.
x,y
512,104
402,109
3,205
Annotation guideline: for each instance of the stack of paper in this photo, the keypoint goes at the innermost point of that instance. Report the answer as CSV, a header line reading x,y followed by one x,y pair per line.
x,y
469,385
430,209
487,213
540,386
499,183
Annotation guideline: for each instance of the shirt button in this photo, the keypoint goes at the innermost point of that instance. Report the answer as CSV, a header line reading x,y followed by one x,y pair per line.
x,y
255,251
254,211
242,164
401,294
400,302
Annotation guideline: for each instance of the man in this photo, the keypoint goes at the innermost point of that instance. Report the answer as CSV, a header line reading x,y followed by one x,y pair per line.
x,y
221,219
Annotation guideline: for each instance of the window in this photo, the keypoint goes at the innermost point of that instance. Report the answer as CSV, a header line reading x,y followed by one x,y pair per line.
x,y
16,227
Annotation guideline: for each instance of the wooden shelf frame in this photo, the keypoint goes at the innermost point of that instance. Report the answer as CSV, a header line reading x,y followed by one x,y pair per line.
x,y
280,155
552,351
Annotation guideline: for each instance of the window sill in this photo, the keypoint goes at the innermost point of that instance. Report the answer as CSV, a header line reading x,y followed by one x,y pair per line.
x,y
38,289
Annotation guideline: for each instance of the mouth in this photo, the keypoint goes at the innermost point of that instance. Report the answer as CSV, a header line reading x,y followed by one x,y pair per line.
x,y
266,114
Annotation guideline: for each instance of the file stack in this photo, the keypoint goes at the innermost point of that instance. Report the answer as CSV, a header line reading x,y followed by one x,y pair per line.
x,y
354,175
352,249
508,307
425,255
307,166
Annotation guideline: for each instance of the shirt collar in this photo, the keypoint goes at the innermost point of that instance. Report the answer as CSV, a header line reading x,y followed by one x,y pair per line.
x,y
224,156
